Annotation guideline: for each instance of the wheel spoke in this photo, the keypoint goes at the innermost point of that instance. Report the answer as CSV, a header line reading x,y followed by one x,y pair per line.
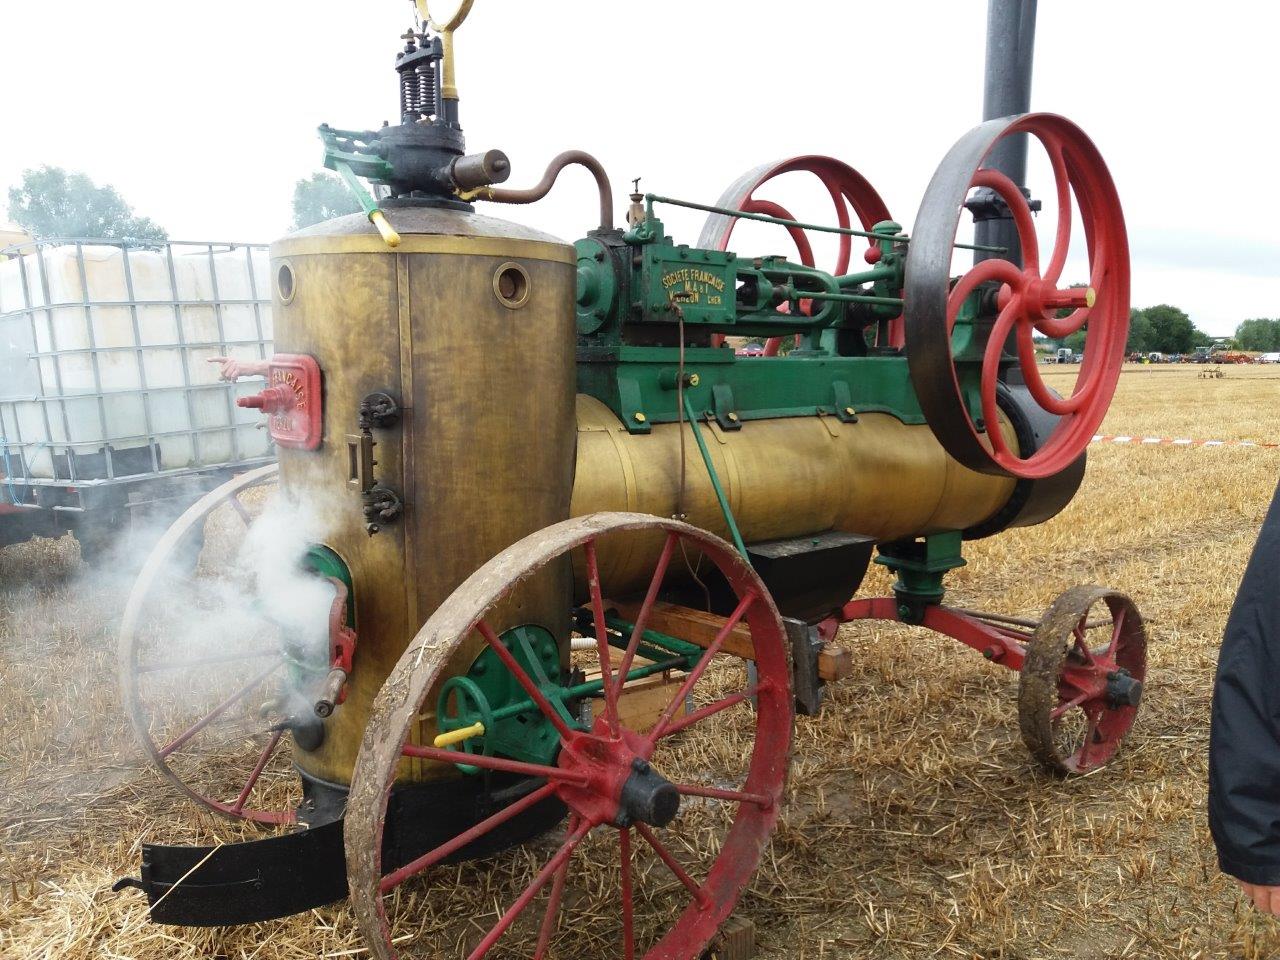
x,y
642,618
553,903
257,771
1066,705
1082,644
241,509
665,855
700,668
432,857
441,755
715,793
1118,626
531,688
561,857
218,711
710,709
1094,718
628,904
602,635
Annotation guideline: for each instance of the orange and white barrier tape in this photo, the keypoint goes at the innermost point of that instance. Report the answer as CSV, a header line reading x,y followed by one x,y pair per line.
x,y
1179,442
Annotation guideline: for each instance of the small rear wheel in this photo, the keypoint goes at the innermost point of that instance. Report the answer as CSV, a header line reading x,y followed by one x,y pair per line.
x,y
1082,679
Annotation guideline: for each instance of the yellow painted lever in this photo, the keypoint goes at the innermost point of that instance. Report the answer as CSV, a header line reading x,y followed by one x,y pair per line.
x,y
457,736
389,234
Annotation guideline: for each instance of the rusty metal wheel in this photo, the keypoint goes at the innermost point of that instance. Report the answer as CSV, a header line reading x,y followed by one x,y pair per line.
x,y
201,681
620,781
1082,679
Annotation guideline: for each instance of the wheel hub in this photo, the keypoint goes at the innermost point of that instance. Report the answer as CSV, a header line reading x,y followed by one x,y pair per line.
x,y
647,796
1122,689
617,783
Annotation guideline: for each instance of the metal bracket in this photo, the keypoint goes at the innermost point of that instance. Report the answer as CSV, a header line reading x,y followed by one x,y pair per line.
x,y
723,407
806,644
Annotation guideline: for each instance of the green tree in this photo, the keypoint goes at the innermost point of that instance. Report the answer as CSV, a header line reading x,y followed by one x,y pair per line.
x,y
1259,334
1140,333
52,202
1171,329
320,197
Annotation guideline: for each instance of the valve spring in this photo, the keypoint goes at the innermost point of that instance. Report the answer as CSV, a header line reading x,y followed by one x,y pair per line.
x,y
427,90
408,94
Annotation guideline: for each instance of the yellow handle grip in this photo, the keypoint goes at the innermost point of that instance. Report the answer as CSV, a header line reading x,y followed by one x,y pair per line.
x,y
457,736
379,220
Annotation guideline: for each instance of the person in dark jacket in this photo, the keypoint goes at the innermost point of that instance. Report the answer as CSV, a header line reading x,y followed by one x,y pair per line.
x,y
1244,733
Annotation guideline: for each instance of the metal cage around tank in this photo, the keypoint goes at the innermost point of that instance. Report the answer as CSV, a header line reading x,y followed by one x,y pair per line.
x,y
102,350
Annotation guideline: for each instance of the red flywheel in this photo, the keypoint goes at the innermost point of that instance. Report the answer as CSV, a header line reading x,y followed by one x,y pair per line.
x,y
1028,298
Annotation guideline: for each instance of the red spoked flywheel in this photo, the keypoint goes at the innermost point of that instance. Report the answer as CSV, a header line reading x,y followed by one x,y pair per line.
x,y
1028,298
847,187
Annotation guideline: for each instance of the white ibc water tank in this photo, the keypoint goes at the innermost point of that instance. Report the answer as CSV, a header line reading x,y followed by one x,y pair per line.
x,y
104,349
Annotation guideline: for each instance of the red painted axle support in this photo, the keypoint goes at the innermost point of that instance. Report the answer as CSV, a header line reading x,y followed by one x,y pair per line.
x,y
1001,644
996,643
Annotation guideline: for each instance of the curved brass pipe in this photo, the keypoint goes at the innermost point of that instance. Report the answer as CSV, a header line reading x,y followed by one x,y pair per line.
x,y
543,186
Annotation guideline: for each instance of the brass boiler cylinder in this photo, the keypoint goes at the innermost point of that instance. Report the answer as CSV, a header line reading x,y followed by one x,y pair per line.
x,y
469,325
786,477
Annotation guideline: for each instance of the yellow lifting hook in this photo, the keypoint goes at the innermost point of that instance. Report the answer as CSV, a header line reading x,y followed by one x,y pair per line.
x,y
448,84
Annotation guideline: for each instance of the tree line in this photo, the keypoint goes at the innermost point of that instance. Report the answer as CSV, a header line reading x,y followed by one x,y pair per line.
x,y
51,202
1165,328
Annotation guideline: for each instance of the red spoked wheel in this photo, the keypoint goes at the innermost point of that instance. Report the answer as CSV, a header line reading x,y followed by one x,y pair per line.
x,y
847,188
1027,299
672,838
1082,679
204,675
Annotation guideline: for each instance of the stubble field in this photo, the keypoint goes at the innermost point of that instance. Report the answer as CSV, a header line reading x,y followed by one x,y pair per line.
x,y
917,825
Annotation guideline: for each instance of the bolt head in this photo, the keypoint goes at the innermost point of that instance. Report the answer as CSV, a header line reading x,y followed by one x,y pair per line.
x,y
848,411
640,417
733,417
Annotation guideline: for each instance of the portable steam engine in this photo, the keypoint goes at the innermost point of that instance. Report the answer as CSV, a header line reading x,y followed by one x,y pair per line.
x,y
569,534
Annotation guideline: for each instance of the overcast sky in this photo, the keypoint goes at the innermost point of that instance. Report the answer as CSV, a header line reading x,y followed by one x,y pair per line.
x,y
204,115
